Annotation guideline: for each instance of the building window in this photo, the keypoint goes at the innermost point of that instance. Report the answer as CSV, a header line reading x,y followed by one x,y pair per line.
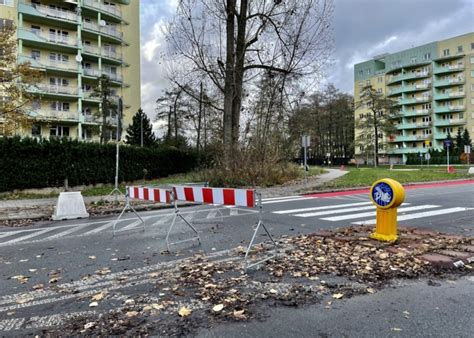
x,y
86,134
461,116
367,83
459,49
36,104
6,2
427,56
380,79
472,45
446,52
59,131
36,55
36,130
413,60
472,87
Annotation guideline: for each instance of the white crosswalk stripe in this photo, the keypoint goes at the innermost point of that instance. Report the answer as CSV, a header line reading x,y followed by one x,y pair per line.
x,y
372,213
294,199
338,211
97,227
421,214
326,207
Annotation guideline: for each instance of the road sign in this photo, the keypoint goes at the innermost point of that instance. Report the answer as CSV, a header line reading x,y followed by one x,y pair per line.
x,y
382,194
305,141
427,156
447,143
427,143
387,195
467,149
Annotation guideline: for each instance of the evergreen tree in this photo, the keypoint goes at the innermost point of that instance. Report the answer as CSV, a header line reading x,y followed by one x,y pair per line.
x,y
459,142
133,136
108,109
466,138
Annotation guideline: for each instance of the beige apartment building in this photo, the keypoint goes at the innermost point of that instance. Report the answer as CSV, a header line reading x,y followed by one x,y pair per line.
x,y
433,86
73,43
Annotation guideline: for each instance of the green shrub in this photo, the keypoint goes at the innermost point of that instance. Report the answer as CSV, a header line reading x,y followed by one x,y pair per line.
x,y
29,163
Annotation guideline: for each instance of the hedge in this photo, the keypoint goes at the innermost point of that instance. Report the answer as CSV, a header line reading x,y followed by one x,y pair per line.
x,y
29,163
436,157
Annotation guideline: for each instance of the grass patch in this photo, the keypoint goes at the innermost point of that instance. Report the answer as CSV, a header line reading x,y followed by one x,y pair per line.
x,y
363,177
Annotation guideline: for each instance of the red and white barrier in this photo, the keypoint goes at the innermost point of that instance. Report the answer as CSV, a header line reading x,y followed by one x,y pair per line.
x,y
149,194
222,196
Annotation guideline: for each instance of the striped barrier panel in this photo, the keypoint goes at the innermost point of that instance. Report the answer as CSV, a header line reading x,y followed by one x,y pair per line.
x,y
150,194
222,196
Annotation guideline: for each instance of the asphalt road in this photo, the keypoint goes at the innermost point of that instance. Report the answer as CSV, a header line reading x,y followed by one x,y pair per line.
x,y
75,250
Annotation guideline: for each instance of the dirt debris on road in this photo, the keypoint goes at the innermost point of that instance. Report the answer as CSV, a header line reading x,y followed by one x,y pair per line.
x,y
310,268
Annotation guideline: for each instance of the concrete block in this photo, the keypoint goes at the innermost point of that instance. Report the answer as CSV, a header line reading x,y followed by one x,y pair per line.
x,y
471,171
70,205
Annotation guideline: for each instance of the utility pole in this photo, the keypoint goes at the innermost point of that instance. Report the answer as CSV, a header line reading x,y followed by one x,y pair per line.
x,y
198,142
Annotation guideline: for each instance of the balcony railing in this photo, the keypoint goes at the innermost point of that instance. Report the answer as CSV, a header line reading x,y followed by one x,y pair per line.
x,y
55,89
111,31
111,54
52,12
113,10
38,63
61,115
91,95
57,39
444,109
91,72
450,122
91,49
90,25
113,77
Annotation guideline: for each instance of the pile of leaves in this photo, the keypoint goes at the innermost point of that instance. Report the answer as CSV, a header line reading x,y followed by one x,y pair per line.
x,y
200,292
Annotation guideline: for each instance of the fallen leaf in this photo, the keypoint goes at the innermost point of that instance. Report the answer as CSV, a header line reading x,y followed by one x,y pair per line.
x,y
99,296
153,275
370,290
38,286
218,308
53,280
89,325
92,257
93,304
24,299
103,271
157,306
32,270
184,312
130,314
273,291
129,302
337,295
239,314
396,329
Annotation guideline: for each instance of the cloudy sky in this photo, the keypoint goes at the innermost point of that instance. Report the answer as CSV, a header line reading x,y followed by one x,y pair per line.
x,y
362,29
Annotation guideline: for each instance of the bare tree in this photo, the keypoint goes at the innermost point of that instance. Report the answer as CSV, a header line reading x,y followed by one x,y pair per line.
x,y
232,42
380,119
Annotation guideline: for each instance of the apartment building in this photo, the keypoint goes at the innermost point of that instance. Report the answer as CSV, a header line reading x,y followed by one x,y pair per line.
x,y
73,43
433,86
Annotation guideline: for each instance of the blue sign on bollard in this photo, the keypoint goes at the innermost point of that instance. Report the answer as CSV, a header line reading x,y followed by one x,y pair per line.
x,y
447,143
382,194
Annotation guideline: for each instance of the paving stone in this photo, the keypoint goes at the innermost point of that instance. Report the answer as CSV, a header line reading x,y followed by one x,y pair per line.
x,y
456,254
437,259
469,248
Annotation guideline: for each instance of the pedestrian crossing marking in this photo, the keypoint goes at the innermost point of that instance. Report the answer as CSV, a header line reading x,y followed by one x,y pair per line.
x,y
296,199
69,231
421,215
373,213
23,238
291,211
338,211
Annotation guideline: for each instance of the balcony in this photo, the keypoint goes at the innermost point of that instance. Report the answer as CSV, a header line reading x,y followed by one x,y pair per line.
x,y
449,109
449,69
91,96
91,72
60,115
113,77
97,119
407,150
114,11
413,125
449,82
87,49
449,96
28,8
395,90
111,32
40,38
55,90
419,99
418,112
452,122
114,55
90,26
54,65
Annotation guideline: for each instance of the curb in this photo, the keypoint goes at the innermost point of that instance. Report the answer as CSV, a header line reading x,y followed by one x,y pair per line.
x,y
368,186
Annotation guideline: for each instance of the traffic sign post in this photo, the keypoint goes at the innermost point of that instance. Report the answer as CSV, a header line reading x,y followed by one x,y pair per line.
x,y
421,159
447,144
305,142
427,158
467,150
386,194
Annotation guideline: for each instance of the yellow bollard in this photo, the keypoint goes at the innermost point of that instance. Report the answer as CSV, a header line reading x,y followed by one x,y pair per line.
x,y
387,195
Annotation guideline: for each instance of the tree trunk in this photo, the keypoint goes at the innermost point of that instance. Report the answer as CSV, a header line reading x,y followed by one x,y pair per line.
x,y
229,86
175,107
198,141
239,70
376,142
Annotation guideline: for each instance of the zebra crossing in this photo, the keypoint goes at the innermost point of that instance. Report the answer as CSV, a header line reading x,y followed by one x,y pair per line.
x,y
363,212
152,223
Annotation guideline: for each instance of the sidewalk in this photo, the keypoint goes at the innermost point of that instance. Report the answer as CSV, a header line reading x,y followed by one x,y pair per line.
x,y
44,208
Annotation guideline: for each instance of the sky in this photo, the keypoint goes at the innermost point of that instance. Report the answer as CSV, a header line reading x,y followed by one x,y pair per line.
x,y
362,29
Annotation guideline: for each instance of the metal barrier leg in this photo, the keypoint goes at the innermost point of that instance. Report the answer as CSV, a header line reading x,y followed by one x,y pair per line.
x,y
127,206
247,263
176,215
